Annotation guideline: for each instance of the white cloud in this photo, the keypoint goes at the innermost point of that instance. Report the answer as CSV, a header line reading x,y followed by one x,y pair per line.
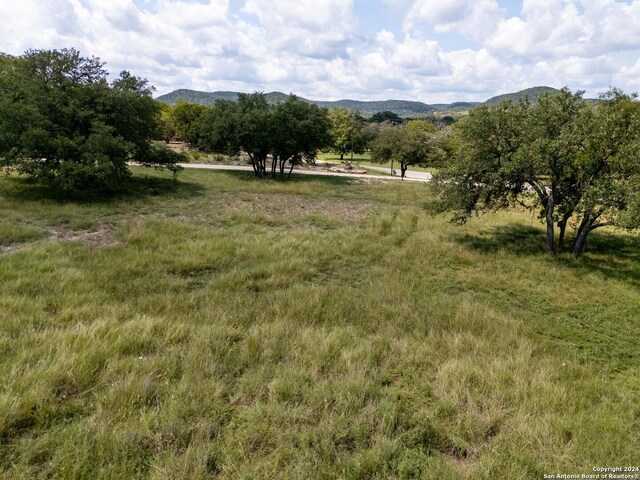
x,y
27,24
590,74
629,76
471,18
445,12
314,28
316,48
562,28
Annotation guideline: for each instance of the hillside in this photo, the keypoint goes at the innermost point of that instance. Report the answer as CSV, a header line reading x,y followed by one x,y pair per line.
x,y
533,94
404,108
194,96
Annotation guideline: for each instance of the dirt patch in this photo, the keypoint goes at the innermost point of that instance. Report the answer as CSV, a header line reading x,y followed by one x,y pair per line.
x,y
101,237
347,170
10,248
463,465
295,207
94,238
178,146
344,167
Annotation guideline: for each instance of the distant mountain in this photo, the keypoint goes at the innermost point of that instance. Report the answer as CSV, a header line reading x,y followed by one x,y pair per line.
x,y
209,98
404,108
193,96
532,93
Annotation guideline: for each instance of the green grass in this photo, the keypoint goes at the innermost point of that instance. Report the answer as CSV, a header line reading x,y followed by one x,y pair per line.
x,y
319,328
14,233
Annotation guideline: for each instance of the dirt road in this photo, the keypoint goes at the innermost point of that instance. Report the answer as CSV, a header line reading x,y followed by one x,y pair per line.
x,y
411,176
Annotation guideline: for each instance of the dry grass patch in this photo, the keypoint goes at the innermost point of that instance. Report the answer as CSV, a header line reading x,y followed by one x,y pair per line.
x,y
290,207
100,237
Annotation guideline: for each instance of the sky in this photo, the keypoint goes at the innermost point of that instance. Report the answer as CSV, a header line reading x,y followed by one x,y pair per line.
x,y
435,51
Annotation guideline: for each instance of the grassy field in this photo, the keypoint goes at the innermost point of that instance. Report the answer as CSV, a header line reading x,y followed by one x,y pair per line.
x,y
320,328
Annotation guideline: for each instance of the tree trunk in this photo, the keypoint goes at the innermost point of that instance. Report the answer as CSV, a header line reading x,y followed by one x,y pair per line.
x,y
550,247
562,224
587,226
253,164
581,228
392,171
283,164
290,170
341,156
403,170
580,242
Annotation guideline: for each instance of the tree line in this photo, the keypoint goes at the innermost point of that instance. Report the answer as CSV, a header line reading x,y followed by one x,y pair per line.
x,y
63,124
275,136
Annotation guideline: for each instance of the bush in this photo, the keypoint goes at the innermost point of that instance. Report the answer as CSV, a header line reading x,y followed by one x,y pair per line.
x,y
64,125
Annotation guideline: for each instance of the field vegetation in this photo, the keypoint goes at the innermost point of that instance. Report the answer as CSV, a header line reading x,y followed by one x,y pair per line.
x,y
229,327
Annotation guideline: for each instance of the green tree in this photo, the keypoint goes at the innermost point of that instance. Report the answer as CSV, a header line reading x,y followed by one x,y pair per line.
x,y
346,132
414,144
184,120
386,116
61,123
244,125
166,126
547,154
300,129
218,128
607,175
386,146
282,133
420,126
254,129
561,156
506,149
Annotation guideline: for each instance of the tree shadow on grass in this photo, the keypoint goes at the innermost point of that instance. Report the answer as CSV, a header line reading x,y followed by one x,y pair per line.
x,y
613,255
246,175
514,238
136,187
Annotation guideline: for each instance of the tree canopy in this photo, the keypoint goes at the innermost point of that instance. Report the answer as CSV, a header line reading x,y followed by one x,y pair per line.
x,y
563,156
182,121
346,132
271,135
63,124
416,143
386,116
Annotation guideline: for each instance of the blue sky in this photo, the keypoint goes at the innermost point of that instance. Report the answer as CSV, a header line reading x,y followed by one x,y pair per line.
x,y
429,50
